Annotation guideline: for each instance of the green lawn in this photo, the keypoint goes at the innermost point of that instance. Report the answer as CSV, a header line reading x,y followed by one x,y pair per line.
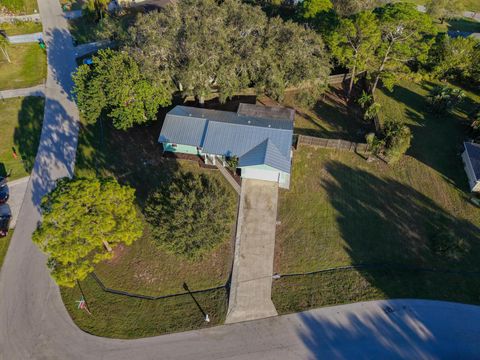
x,y
123,317
463,24
469,5
21,27
21,125
343,210
4,242
28,67
134,158
20,7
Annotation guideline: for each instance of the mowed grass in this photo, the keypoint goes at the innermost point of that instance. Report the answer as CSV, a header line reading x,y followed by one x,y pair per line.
x,y
4,242
20,7
123,317
469,5
28,67
437,138
135,158
343,210
21,125
21,27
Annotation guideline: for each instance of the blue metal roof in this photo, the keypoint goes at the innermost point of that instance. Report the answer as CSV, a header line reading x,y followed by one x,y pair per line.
x,y
227,133
473,152
265,153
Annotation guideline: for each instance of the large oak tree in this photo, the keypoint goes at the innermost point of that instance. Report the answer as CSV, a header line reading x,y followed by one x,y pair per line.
x,y
82,219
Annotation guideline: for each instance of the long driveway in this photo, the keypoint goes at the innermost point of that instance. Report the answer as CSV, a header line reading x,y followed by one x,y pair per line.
x,y
35,325
251,285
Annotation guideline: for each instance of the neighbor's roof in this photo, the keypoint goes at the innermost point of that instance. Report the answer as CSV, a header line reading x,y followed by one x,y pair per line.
x,y
229,133
473,152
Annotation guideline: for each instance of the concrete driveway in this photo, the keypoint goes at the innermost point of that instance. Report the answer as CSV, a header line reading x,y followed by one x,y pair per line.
x,y
251,285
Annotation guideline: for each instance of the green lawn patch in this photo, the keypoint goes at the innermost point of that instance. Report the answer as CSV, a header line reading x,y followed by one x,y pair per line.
x,y
135,158
21,126
464,25
28,67
4,242
21,27
123,317
437,138
469,5
20,7
342,210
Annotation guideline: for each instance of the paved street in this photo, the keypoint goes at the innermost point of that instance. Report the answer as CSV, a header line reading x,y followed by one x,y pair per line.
x,y
251,286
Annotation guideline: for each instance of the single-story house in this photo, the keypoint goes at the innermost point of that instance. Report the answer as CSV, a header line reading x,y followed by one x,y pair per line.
x,y
471,161
259,136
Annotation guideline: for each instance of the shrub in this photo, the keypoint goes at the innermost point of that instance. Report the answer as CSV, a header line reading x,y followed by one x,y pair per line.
x,y
394,143
191,215
444,98
397,139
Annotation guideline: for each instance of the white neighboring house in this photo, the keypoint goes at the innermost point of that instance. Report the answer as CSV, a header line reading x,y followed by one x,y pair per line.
x,y
260,137
471,161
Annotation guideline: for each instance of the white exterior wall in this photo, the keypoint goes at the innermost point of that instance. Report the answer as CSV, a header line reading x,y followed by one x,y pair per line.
x,y
266,173
472,181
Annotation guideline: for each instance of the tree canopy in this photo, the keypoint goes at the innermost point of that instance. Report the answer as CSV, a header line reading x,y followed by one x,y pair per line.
x,y
311,8
204,46
191,215
456,58
355,42
407,35
80,217
115,85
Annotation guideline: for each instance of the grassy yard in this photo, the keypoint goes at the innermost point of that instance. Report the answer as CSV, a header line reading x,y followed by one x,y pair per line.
x,y
20,7
21,125
343,210
134,158
28,67
21,27
4,242
469,5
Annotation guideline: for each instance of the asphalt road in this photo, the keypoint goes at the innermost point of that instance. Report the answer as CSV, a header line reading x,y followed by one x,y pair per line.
x,y
35,325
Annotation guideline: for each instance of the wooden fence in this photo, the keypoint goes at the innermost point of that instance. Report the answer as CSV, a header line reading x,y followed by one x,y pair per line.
x,y
332,144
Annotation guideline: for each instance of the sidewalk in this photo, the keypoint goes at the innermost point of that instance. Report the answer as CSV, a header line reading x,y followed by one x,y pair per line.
x,y
17,190
38,90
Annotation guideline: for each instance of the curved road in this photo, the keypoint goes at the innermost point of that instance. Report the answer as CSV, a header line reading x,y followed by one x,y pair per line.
x,y
35,325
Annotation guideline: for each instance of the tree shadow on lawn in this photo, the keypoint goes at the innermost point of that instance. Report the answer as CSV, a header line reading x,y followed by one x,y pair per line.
x,y
26,135
437,138
133,157
385,221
